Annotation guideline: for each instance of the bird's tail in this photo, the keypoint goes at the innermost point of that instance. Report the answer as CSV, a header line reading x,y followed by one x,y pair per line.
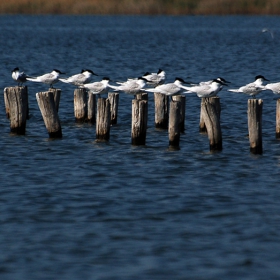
x,y
186,88
116,88
64,80
149,89
233,90
32,79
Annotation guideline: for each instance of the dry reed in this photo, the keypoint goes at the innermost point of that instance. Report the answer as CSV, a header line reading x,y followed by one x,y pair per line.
x,y
149,7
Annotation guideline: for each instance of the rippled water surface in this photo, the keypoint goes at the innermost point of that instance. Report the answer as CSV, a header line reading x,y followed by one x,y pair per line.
x,y
77,209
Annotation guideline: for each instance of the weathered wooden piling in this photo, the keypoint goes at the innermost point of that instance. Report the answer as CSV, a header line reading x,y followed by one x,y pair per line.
x,y
80,105
16,103
49,113
216,102
161,110
91,110
114,101
103,119
174,126
278,118
202,126
211,116
182,100
139,121
255,125
142,96
56,96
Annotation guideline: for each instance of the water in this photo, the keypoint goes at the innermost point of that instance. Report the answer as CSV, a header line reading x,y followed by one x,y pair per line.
x,y
77,209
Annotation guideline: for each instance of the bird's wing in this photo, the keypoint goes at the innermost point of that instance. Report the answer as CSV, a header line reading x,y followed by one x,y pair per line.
x,y
251,89
95,87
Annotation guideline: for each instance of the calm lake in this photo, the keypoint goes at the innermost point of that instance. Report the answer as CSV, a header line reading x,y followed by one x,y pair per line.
x,y
77,209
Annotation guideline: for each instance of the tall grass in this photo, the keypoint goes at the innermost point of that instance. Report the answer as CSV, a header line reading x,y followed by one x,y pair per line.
x,y
149,7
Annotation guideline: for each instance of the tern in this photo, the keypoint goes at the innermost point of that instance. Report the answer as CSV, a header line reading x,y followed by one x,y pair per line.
x,y
19,77
206,89
254,88
155,79
219,79
79,79
49,78
98,88
268,31
132,87
170,88
274,87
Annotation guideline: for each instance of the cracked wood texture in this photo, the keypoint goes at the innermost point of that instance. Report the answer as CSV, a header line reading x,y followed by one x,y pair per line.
x,y
103,119
80,105
278,119
16,103
255,125
210,112
49,113
91,117
139,121
174,127
182,99
161,110
114,101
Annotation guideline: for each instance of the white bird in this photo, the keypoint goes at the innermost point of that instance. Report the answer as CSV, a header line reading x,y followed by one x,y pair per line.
x,y
209,82
132,87
254,88
79,79
49,78
98,88
19,77
206,89
155,79
268,31
170,88
274,87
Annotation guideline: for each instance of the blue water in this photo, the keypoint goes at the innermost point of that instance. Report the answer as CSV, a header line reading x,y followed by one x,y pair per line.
x,y
77,209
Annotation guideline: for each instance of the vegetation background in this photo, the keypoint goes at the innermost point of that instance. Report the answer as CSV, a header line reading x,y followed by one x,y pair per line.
x,y
139,7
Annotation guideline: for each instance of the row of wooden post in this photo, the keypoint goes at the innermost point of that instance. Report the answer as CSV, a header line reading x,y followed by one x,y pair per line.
x,y
168,115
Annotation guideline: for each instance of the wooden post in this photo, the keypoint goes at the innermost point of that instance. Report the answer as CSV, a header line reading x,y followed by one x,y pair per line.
x,y
211,118
80,104
182,99
174,126
202,126
56,96
142,96
161,110
6,101
103,119
255,125
216,102
16,103
49,113
114,101
278,118
91,117
139,121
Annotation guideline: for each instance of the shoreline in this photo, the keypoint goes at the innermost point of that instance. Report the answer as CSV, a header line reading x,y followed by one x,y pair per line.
x,y
145,7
